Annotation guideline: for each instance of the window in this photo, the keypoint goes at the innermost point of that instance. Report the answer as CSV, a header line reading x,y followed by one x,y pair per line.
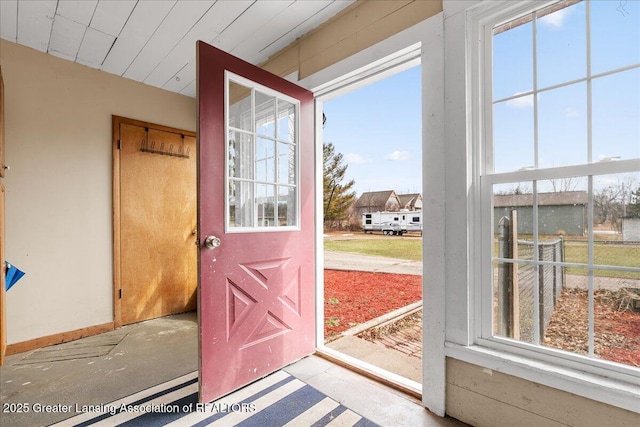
x,y
262,157
561,165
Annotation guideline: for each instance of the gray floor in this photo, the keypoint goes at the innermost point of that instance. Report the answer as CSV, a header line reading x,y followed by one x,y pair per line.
x,y
100,369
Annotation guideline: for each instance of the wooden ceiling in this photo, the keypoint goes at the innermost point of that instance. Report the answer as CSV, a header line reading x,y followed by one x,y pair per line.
x,y
153,41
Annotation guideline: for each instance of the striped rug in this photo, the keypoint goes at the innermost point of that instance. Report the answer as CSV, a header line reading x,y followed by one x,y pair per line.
x,y
277,400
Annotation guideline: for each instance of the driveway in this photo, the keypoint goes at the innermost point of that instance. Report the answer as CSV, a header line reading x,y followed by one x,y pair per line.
x,y
359,262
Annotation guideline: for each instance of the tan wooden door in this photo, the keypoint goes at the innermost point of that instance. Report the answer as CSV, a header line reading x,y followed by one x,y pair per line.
x,y
157,235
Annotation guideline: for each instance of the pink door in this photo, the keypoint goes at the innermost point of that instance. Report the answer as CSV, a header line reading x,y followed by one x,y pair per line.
x,y
255,220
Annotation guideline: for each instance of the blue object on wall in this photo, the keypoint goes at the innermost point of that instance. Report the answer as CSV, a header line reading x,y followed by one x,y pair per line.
x,y
13,275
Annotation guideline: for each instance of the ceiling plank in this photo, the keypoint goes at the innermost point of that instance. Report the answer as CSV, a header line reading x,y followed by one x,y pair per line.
x,y
143,22
242,28
66,37
110,16
94,48
190,90
173,28
9,20
183,78
35,19
80,11
219,17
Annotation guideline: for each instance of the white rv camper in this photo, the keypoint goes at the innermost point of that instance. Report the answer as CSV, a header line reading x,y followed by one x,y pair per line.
x,y
392,223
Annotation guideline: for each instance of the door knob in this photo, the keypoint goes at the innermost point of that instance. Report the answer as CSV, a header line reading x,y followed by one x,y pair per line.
x,y
212,242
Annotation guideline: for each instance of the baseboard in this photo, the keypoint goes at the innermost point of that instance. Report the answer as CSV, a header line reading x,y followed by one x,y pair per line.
x,y
36,343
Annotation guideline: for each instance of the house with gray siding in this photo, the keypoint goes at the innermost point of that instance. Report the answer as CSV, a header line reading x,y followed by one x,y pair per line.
x,y
558,213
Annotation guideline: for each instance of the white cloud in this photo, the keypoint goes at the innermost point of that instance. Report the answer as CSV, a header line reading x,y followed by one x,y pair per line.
x,y
521,102
398,156
571,112
556,19
356,159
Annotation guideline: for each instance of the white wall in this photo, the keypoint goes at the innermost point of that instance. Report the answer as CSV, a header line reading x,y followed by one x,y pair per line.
x,y
59,187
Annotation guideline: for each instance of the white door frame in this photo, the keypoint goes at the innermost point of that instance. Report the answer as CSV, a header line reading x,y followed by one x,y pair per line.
x,y
422,43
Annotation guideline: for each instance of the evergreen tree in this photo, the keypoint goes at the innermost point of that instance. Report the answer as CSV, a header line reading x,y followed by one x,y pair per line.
x,y
338,196
634,204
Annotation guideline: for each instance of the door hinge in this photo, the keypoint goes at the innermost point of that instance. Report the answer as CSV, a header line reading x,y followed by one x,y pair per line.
x,y
119,145
120,293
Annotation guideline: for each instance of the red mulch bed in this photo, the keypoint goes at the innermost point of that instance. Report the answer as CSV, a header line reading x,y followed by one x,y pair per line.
x,y
616,327
354,297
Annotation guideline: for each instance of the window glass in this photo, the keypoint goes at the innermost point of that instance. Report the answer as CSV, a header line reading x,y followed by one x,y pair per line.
x,y
513,134
561,45
513,56
261,158
239,106
286,121
265,115
615,35
565,256
562,126
616,108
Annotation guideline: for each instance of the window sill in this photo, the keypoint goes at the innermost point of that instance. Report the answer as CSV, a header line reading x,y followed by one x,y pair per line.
x,y
601,389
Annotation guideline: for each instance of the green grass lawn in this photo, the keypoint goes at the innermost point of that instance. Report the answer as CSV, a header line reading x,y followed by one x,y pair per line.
x,y
604,254
392,247
575,252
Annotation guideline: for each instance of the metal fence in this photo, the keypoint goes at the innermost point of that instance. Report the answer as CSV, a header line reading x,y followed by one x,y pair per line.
x,y
527,292
550,280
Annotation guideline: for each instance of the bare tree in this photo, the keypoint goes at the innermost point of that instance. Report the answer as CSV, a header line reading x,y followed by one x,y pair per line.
x,y
565,184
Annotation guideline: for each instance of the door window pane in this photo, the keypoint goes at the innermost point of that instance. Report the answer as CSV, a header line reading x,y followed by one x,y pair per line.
x,y
262,158
240,148
265,160
265,115
287,212
286,164
239,106
240,204
286,121
265,203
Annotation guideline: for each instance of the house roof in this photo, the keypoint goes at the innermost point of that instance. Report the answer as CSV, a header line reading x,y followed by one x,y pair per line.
x,y
407,198
544,199
154,42
374,198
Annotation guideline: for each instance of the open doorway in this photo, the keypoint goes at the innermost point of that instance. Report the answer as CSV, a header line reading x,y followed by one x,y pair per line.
x,y
372,223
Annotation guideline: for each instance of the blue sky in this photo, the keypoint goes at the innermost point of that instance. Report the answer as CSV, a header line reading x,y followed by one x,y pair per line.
x,y
378,130
378,127
562,112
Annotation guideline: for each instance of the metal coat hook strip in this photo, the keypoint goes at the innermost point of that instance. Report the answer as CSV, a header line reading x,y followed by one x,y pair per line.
x,y
151,148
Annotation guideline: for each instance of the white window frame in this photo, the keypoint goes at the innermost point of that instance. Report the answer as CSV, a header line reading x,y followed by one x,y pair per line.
x,y
232,77
599,380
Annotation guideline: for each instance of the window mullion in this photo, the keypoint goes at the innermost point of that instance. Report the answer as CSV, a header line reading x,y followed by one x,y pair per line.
x,y
254,185
534,29
589,81
536,283
590,293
